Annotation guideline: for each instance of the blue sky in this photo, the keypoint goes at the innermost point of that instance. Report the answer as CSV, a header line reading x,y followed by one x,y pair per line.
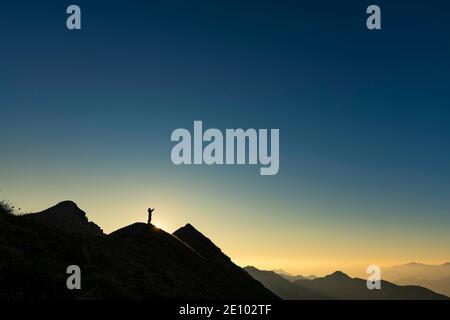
x,y
363,118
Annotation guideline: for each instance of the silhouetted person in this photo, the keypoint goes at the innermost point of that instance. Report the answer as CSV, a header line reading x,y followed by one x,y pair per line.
x,y
150,211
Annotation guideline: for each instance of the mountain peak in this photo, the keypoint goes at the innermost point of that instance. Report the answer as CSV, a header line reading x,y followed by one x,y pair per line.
x,y
68,217
200,243
282,272
189,228
338,275
67,204
135,229
250,268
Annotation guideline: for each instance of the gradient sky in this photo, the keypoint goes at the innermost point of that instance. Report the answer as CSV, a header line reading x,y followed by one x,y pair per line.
x,y
363,117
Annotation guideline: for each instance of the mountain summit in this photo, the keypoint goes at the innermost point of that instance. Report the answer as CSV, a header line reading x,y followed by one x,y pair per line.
x,y
67,217
337,275
201,244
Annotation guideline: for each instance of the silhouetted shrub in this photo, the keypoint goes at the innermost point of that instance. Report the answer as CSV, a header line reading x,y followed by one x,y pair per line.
x,y
5,208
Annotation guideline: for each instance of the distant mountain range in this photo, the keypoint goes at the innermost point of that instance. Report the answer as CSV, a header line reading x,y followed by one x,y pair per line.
x,y
292,277
139,261
418,270
434,277
338,286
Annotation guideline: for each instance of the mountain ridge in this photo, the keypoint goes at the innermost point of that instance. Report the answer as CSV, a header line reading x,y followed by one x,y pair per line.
x,y
138,261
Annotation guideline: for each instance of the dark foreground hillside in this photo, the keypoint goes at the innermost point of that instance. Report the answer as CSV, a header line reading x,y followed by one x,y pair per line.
x,y
135,262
